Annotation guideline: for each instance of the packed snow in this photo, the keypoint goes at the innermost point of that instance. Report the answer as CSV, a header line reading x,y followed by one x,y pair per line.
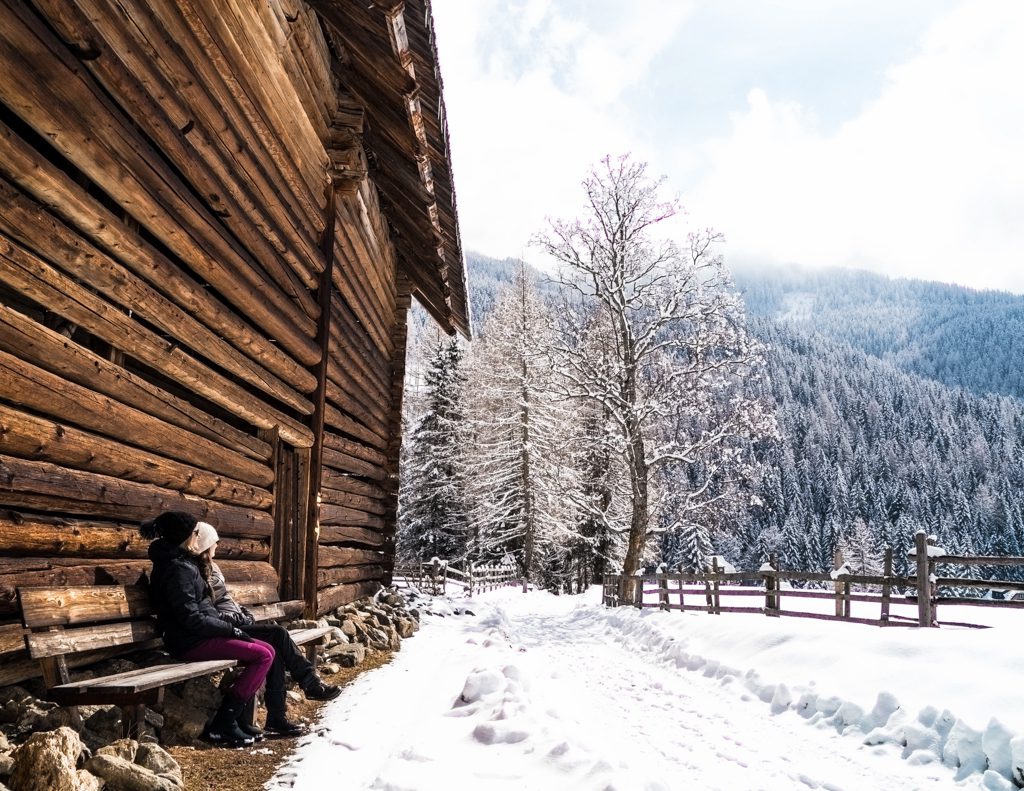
x,y
534,691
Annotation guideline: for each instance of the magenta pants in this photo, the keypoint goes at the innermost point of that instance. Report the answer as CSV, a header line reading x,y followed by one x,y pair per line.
x,y
255,658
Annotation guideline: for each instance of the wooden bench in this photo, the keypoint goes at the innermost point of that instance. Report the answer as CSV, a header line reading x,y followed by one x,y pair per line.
x,y
65,621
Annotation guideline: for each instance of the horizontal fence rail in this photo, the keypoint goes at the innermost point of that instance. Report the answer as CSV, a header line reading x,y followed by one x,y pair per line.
x,y
435,577
767,591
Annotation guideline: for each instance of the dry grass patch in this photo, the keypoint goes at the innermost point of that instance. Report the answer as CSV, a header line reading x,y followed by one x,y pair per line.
x,y
248,769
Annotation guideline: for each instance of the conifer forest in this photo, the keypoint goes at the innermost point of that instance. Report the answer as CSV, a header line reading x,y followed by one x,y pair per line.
x,y
642,404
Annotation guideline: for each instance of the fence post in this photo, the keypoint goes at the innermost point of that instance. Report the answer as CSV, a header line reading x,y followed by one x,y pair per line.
x,y
717,599
837,563
886,585
771,601
663,585
638,592
924,593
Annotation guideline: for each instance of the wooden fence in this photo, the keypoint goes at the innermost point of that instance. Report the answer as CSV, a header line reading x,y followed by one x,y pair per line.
x,y
762,591
434,577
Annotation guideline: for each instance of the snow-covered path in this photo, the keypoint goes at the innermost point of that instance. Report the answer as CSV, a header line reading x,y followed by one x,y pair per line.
x,y
532,692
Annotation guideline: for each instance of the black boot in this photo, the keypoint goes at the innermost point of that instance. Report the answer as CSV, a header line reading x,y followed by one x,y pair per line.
x,y
316,689
223,728
247,721
278,723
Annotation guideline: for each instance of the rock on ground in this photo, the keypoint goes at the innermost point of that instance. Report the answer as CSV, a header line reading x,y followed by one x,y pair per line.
x,y
48,761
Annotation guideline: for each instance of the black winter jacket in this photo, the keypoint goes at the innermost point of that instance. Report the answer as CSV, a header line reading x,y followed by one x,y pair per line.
x,y
184,610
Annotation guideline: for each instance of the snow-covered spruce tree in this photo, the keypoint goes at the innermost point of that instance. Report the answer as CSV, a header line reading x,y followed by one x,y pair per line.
x,y
519,464
675,337
433,514
601,500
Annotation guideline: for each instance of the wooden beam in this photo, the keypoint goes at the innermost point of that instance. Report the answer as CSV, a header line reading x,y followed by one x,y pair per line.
x,y
28,436
46,487
23,384
105,145
50,186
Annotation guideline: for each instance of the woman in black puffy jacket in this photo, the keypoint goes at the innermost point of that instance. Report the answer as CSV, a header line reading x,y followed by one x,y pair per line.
x,y
191,626
287,656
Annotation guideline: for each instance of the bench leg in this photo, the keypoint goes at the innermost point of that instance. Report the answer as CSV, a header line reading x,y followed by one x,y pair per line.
x,y
132,719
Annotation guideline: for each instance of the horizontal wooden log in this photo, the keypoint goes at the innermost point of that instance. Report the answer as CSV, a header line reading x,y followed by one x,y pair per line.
x,y
71,606
355,501
12,640
279,611
352,535
57,572
34,228
238,51
346,556
343,462
338,595
24,384
354,449
212,176
354,347
74,606
340,574
29,437
349,402
340,515
249,593
339,421
50,95
75,365
344,482
36,279
45,486
37,536
49,185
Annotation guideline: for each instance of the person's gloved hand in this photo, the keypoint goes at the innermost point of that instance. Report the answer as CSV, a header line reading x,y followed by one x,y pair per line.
x,y
238,634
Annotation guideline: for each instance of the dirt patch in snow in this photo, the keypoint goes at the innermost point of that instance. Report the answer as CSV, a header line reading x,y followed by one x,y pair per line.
x,y
248,769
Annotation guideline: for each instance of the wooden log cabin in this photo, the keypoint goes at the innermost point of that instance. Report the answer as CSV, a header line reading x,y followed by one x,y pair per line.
x,y
213,217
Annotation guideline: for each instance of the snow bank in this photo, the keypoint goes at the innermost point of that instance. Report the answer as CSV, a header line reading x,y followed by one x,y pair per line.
x,y
542,692
940,695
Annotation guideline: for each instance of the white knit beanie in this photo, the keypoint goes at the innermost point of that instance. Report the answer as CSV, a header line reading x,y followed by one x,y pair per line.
x,y
204,538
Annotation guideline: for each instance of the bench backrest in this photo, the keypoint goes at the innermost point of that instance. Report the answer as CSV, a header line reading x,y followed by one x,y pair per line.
x,y
69,620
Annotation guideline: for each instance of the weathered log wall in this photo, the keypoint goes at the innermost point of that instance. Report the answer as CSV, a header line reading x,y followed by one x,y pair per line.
x,y
165,187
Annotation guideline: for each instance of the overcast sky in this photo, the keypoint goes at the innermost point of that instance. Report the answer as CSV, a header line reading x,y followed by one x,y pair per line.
x,y
880,134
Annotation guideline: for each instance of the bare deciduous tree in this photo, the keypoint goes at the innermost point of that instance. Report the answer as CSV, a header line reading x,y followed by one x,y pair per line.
x,y
654,335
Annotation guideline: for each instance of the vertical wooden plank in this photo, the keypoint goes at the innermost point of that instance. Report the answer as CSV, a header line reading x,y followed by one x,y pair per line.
x,y
924,599
638,592
682,604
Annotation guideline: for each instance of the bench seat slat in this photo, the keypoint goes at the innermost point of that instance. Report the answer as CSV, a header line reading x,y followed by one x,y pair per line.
x,y
146,678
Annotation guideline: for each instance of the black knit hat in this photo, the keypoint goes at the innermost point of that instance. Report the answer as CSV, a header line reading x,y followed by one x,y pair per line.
x,y
172,526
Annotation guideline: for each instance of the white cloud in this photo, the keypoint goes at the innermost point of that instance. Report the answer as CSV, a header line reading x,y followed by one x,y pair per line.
x,y
534,97
928,181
